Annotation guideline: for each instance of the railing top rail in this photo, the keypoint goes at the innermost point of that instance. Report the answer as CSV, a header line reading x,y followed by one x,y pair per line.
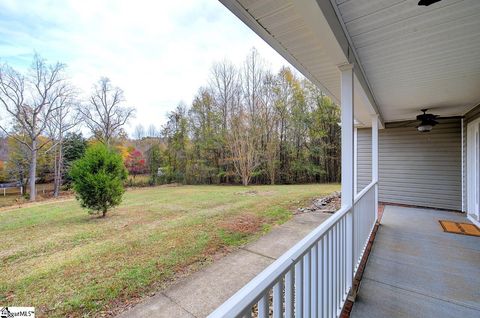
x,y
251,292
364,191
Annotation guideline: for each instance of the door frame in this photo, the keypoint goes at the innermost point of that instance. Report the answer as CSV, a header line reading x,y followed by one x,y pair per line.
x,y
473,171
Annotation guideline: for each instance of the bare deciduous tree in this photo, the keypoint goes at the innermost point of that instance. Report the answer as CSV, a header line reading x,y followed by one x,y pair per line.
x,y
243,144
269,126
226,91
139,132
224,84
29,102
64,118
253,72
105,115
152,131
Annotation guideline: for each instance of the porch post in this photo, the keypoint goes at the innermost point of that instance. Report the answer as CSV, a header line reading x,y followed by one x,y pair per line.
x,y
375,159
348,162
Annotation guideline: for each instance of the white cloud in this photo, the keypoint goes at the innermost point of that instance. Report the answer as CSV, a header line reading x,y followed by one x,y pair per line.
x,y
158,52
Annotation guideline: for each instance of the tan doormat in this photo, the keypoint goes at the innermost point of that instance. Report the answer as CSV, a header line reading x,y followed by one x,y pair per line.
x,y
459,228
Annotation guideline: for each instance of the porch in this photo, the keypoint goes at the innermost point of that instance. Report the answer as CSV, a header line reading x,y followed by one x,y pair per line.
x,y
414,269
382,62
417,270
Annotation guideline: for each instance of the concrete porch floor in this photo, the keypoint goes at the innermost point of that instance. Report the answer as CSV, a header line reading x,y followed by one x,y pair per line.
x,y
417,270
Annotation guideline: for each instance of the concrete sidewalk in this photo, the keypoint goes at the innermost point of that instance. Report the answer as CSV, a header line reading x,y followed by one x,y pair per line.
x,y
202,292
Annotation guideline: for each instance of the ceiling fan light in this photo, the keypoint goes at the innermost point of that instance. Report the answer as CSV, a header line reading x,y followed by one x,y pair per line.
x,y
424,127
427,121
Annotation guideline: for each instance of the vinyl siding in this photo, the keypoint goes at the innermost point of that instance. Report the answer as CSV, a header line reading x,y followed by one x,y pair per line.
x,y
364,158
415,168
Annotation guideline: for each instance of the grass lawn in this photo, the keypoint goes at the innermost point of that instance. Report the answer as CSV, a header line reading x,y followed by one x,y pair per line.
x,y
56,257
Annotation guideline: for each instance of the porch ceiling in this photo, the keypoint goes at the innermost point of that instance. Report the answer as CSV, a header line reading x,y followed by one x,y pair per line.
x,y
417,57
408,57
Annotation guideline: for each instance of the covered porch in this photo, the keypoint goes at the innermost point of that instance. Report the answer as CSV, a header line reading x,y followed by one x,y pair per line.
x,y
382,61
415,269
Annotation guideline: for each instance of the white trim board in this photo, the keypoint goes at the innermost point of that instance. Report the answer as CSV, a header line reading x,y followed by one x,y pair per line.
x,y
471,219
473,169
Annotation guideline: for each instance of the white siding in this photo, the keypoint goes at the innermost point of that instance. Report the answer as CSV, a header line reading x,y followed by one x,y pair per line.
x,y
364,157
415,168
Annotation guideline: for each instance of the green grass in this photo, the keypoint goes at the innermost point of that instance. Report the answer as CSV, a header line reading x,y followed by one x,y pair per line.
x,y
56,257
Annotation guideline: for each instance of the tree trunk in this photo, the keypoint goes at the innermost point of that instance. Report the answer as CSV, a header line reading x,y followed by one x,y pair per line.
x,y
245,178
58,170
55,170
104,212
33,171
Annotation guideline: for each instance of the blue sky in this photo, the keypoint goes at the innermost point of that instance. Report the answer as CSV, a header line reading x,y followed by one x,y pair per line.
x,y
158,52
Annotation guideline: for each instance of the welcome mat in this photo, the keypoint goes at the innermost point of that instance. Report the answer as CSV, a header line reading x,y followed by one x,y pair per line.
x,y
459,228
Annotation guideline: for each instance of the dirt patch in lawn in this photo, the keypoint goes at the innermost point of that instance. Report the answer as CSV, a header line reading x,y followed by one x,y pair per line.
x,y
247,193
255,193
247,223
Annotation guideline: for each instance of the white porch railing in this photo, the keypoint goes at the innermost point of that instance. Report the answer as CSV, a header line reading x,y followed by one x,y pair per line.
x,y
365,216
314,277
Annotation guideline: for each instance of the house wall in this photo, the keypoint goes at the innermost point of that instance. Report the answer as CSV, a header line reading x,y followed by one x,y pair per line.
x,y
415,168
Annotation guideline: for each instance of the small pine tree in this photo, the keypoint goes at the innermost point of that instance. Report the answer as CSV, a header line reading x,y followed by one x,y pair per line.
x,y
98,179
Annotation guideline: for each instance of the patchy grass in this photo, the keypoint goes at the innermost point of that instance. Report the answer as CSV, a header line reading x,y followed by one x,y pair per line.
x,y
13,196
10,199
56,257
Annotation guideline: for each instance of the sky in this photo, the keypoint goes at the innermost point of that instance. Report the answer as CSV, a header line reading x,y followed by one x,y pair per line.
x,y
159,52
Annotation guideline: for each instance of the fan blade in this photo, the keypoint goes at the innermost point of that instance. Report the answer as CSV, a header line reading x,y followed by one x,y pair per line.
x,y
427,2
401,124
448,117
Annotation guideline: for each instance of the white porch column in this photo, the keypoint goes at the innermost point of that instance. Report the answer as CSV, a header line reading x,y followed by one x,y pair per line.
x,y
348,162
375,159
347,134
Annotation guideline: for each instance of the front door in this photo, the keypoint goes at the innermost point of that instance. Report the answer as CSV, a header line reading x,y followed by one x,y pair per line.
x,y
473,171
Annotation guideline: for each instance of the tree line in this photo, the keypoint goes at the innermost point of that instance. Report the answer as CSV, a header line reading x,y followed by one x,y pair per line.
x,y
246,125
250,125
